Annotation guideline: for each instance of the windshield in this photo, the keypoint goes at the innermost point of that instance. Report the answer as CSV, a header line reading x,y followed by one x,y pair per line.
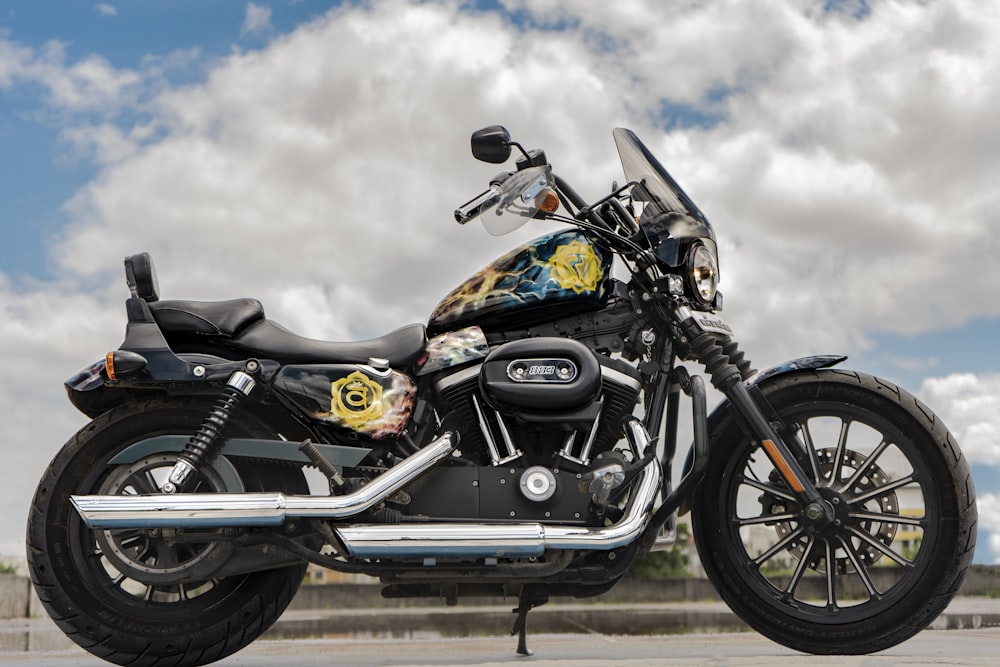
x,y
660,193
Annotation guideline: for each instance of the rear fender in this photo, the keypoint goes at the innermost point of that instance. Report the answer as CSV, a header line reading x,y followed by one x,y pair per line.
x,y
93,393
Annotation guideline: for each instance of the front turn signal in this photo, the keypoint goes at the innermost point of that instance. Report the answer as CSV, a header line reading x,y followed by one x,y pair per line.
x,y
547,201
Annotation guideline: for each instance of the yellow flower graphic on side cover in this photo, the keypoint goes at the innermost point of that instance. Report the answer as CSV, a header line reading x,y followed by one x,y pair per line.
x,y
356,400
575,266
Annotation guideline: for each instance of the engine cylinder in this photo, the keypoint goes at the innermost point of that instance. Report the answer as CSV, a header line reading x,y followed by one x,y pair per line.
x,y
558,419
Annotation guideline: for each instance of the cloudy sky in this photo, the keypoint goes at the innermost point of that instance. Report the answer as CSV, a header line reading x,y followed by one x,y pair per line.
x,y
309,153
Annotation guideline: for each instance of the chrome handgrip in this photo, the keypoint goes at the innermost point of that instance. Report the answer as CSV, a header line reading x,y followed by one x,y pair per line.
x,y
477,205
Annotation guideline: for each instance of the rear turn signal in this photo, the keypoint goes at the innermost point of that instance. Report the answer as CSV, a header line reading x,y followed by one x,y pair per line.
x,y
119,363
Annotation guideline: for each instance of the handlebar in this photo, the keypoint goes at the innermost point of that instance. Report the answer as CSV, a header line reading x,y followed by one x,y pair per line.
x,y
478,204
515,197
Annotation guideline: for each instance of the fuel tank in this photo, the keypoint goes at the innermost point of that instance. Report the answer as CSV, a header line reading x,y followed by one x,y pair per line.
x,y
553,276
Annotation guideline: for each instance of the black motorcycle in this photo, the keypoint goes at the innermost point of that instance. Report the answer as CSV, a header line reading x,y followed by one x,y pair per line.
x,y
519,444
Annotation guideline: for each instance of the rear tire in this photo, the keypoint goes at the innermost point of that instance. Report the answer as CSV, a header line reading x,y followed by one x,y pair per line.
x,y
78,574
905,513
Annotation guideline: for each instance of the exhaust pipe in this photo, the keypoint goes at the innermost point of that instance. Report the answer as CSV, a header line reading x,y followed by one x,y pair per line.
x,y
506,540
519,540
216,510
425,540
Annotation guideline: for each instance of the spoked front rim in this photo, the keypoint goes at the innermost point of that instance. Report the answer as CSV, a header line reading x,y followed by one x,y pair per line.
x,y
880,541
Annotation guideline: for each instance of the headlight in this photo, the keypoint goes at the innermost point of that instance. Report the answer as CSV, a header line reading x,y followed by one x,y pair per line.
x,y
703,271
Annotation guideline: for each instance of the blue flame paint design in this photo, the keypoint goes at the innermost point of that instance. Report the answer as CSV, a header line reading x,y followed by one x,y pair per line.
x,y
566,268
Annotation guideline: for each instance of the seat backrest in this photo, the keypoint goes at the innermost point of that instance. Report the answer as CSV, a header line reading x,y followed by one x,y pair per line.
x,y
141,277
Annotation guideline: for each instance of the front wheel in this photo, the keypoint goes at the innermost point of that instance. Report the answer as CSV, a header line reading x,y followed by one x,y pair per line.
x,y
114,592
903,503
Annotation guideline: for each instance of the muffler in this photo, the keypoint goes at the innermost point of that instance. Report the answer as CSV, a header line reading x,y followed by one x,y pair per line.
x,y
387,541
217,510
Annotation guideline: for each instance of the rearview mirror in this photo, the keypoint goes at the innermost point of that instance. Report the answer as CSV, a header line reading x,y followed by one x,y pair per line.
x,y
491,144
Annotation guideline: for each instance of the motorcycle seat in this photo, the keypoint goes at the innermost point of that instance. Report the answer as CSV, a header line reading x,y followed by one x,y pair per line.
x,y
211,318
270,340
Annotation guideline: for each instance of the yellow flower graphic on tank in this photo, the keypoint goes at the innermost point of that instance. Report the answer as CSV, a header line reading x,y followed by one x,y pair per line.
x,y
575,266
356,400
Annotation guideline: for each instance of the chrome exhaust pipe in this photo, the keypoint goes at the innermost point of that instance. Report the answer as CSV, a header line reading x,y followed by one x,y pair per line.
x,y
506,540
218,510
425,540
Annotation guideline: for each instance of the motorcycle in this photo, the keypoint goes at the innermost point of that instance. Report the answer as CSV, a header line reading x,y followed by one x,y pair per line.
x,y
520,444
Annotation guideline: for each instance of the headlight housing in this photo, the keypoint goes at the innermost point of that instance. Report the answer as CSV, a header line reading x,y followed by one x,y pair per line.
x,y
703,273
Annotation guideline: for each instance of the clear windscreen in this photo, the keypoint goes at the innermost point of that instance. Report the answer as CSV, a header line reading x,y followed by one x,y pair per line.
x,y
659,193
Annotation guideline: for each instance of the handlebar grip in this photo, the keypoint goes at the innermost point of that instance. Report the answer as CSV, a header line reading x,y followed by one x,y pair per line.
x,y
477,205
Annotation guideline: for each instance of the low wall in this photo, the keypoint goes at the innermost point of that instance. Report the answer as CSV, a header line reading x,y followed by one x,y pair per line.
x,y
18,600
14,596
980,580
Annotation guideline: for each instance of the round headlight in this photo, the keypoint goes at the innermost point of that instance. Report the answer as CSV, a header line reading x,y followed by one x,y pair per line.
x,y
703,269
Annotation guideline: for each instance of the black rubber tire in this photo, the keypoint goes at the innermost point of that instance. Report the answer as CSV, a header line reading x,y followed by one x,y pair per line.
x,y
119,625
907,589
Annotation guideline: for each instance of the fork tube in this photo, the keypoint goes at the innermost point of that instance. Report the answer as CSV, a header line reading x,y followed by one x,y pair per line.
x,y
727,378
777,451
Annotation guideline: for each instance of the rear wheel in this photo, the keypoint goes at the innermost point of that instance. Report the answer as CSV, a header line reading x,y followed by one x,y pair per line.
x,y
904,512
114,592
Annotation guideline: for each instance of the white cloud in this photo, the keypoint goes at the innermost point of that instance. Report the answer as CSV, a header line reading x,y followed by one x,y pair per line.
x,y
90,85
257,19
316,163
104,9
849,174
48,334
832,174
970,405
989,522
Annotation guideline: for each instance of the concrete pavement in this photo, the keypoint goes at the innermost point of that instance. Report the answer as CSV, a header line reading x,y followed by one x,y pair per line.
x,y
39,635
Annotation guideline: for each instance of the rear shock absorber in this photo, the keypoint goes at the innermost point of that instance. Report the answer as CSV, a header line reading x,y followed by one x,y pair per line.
x,y
202,445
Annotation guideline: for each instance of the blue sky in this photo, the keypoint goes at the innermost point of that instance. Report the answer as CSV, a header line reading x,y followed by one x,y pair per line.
x,y
125,34
844,152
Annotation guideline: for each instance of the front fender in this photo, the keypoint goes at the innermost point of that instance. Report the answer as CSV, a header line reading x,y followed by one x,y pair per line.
x,y
800,364
761,377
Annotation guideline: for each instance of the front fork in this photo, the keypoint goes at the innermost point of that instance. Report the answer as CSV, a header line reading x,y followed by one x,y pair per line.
x,y
814,509
725,367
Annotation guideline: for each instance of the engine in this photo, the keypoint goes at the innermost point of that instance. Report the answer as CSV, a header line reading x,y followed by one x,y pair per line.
x,y
537,418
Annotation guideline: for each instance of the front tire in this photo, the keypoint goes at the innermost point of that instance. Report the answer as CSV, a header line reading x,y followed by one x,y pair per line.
x,y
95,584
904,506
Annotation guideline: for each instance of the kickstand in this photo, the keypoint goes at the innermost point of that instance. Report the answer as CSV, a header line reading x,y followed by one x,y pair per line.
x,y
524,605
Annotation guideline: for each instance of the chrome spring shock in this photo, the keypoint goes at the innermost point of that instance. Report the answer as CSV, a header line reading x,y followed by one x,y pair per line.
x,y
200,447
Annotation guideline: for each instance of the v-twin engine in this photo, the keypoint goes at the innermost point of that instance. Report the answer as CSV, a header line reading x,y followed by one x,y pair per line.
x,y
542,401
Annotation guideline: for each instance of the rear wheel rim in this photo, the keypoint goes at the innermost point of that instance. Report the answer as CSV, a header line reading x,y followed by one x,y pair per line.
x,y
101,553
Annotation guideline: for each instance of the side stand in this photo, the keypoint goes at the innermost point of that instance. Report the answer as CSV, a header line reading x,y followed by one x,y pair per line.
x,y
525,603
